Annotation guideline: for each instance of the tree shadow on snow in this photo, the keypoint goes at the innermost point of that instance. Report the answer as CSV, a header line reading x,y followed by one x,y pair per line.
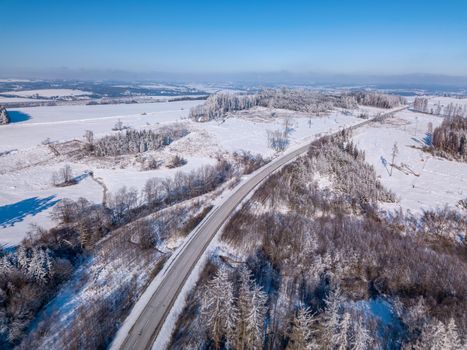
x,y
416,140
385,164
11,214
17,117
79,178
428,139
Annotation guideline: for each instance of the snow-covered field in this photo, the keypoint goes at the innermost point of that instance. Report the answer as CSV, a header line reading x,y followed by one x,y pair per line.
x,y
427,182
47,93
61,123
444,101
4,99
26,165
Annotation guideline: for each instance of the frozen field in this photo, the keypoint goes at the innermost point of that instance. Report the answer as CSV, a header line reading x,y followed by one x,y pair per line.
x,y
26,165
444,101
439,182
47,93
61,123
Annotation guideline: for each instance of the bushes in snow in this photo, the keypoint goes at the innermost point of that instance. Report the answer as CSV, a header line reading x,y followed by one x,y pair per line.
x,y
119,126
137,141
249,162
277,140
63,177
176,162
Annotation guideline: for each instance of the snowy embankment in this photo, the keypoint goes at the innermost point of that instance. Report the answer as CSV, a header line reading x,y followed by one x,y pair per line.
x,y
420,180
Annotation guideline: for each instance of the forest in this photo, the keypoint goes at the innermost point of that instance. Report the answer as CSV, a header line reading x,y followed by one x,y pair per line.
x,y
217,106
133,141
450,138
126,232
312,262
450,110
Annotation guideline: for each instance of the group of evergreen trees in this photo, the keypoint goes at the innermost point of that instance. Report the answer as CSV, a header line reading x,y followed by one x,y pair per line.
x,y
135,141
29,275
379,100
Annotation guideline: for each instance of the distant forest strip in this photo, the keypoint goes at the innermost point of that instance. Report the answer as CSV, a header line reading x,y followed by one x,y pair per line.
x,y
218,105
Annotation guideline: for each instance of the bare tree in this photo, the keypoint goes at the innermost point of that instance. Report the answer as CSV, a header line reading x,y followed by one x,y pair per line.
x,y
277,140
118,126
395,152
89,136
287,125
63,177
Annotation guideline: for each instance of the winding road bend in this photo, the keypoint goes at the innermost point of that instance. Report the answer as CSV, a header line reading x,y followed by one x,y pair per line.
x,y
147,325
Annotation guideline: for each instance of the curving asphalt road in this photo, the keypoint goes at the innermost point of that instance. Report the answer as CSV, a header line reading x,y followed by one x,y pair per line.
x,y
147,326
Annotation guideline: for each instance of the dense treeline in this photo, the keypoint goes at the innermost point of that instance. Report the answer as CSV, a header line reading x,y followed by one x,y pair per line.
x,y
135,141
219,105
379,100
450,110
450,138
303,269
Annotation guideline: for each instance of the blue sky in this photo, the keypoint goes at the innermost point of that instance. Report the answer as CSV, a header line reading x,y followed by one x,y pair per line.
x,y
353,37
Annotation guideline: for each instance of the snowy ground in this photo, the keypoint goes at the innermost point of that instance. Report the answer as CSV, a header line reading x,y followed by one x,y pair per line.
x,y
4,99
27,165
47,93
61,123
444,101
439,182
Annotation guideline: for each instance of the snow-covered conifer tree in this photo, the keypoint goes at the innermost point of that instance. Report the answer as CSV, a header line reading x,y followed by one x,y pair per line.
x,y
218,308
301,336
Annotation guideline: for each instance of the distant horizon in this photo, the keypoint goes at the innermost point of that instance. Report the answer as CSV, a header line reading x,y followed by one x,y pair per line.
x,y
272,77
212,38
